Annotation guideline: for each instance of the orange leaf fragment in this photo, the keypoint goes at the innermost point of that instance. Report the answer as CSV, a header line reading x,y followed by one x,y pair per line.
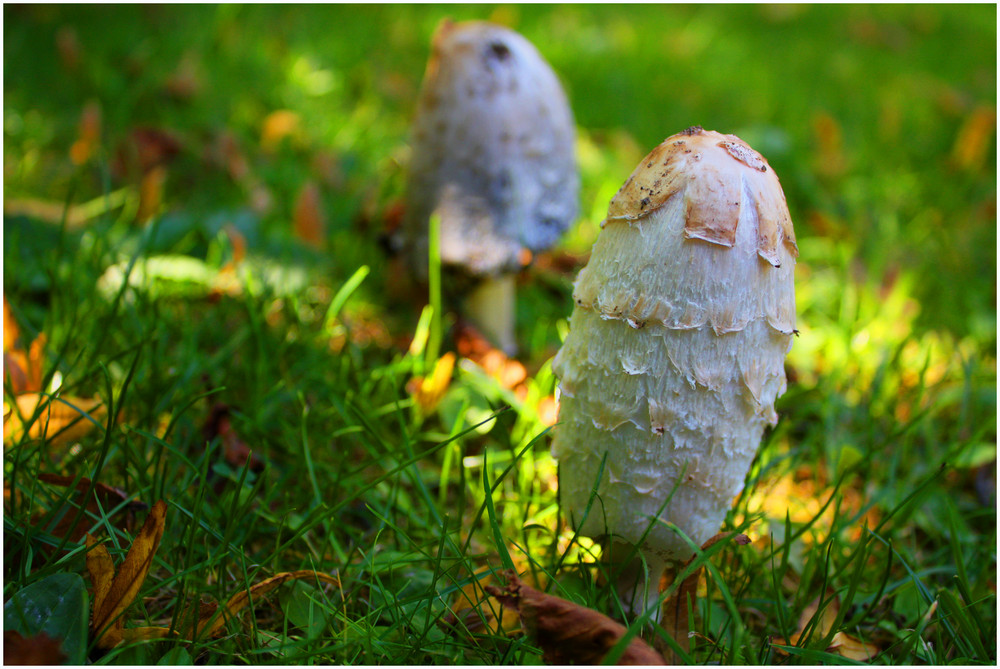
x,y
111,599
10,330
308,218
973,140
151,193
59,421
212,623
89,134
277,126
569,633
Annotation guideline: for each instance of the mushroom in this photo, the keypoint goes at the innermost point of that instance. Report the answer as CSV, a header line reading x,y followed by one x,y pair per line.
x,y
493,157
675,355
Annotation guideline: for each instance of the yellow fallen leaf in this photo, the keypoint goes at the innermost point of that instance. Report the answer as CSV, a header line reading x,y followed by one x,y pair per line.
x,y
101,569
60,420
851,648
111,600
212,624
427,392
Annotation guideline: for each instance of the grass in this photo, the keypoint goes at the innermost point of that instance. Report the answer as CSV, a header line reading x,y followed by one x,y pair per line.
x,y
877,487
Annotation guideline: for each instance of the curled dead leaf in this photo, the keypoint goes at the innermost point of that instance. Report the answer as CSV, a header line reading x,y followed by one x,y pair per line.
x,y
569,633
114,593
212,623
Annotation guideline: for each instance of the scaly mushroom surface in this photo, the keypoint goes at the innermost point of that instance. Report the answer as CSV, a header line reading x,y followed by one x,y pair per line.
x,y
675,355
493,156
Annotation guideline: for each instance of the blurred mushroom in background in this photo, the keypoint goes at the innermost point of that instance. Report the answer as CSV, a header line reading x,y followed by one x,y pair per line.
x,y
493,157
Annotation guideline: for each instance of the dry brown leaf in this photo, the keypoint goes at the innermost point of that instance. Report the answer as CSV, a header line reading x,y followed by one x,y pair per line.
x,y
278,125
107,619
308,219
676,618
60,420
569,633
478,612
105,497
427,392
212,623
33,650
234,450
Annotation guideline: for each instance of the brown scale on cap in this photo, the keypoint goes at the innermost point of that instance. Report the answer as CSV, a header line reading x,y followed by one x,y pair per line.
x,y
698,162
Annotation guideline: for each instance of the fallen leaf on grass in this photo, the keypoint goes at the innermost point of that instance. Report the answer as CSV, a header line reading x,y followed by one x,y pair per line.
x,y
477,612
235,451
569,633
34,650
211,624
105,497
676,620
59,421
428,391
842,644
24,368
114,593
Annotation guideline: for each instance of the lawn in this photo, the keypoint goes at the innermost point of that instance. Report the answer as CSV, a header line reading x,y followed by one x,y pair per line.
x,y
200,311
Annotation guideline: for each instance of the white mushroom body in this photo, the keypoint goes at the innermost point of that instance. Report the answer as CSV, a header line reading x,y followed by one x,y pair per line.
x,y
493,156
675,355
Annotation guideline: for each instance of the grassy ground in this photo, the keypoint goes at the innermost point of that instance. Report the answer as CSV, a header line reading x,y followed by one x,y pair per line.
x,y
877,488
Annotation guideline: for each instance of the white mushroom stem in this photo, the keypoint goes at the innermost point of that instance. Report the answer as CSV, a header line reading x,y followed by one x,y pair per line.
x,y
675,356
491,306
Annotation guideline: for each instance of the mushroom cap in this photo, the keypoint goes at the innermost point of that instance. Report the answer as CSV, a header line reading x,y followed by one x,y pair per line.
x,y
713,170
675,354
492,151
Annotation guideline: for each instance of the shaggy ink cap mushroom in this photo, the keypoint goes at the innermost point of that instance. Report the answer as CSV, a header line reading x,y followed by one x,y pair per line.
x,y
683,317
493,156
